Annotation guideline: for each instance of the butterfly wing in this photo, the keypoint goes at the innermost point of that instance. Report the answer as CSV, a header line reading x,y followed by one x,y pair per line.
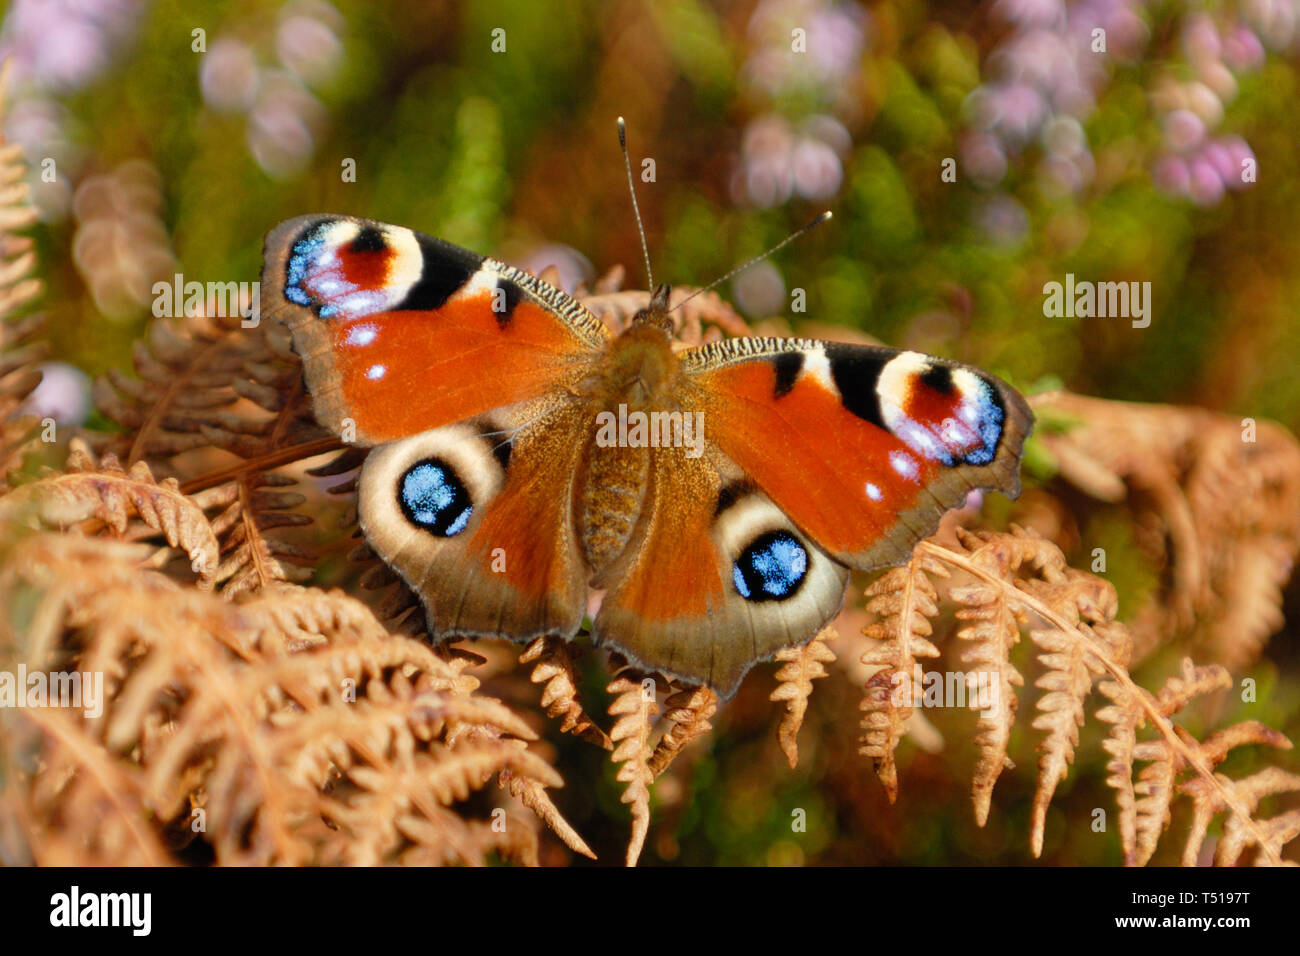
x,y
820,458
460,369
400,333
864,448
716,579
477,517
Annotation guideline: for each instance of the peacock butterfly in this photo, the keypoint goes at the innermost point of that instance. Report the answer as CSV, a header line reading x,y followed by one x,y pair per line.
x,y
525,458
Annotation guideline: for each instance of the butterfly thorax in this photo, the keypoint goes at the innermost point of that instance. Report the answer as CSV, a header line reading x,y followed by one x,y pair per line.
x,y
638,377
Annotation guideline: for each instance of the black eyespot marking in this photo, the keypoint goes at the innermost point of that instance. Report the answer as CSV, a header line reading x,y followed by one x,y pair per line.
x,y
501,448
432,497
444,270
369,239
772,568
788,365
508,295
730,494
856,370
939,378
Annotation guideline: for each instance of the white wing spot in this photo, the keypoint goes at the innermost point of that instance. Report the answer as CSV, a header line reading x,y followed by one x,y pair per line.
x,y
904,464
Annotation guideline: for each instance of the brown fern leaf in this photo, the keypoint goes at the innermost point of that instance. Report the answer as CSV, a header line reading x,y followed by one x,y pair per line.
x,y
687,712
532,794
993,637
802,665
552,662
1222,491
288,728
634,704
250,506
185,373
20,348
905,601
1081,640
75,777
1267,836
1124,714
208,383
106,493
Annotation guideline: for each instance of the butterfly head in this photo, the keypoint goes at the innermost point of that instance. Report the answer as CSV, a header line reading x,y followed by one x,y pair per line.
x,y
656,314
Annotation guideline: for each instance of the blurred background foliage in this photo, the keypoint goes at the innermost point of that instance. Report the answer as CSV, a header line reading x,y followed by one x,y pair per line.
x,y
173,135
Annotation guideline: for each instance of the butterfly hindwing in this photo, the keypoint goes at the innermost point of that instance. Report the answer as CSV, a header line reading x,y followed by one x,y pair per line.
x,y
717,578
477,517
864,448
400,333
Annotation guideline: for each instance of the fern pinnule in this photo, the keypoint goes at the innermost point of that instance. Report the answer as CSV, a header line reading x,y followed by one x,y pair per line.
x,y
20,345
993,634
1070,667
106,492
634,704
800,667
686,713
905,599
552,661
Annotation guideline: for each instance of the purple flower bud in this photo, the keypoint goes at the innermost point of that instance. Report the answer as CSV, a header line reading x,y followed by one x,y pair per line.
x,y
1200,39
1183,129
1206,186
1242,50
1172,176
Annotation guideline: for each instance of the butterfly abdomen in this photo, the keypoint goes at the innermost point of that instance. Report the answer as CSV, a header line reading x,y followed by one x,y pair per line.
x,y
613,489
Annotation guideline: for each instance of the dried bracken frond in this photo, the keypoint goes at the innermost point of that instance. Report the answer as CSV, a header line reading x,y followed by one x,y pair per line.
x,y
905,601
992,638
1225,492
686,712
802,665
245,510
106,493
634,704
20,347
212,384
1082,640
1070,666
552,661
289,728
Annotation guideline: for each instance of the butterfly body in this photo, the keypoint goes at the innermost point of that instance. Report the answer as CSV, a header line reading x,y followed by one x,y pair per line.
x,y
529,466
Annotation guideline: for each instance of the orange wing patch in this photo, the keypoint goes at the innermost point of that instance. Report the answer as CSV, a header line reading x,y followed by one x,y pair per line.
x,y
405,372
841,478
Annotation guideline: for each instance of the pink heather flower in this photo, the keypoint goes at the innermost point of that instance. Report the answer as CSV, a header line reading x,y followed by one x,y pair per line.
x,y
63,395
982,158
307,45
1206,186
228,76
1239,152
1172,176
1242,50
1200,39
573,266
1183,129
1031,13
816,169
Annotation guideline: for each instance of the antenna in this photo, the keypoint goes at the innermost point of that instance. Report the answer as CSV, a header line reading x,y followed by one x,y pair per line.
x,y
627,163
823,217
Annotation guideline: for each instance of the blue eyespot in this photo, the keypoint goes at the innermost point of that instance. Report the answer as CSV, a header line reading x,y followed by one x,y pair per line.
x,y
433,498
772,568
